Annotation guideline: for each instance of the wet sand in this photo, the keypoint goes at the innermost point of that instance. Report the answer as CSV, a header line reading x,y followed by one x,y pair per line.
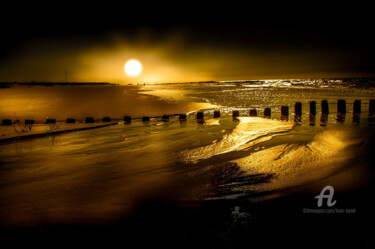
x,y
165,205
270,217
13,133
223,224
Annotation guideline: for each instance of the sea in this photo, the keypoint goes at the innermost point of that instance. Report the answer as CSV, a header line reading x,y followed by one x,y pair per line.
x,y
221,182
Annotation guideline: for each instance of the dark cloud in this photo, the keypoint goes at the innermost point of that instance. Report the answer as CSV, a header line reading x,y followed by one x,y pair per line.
x,y
245,42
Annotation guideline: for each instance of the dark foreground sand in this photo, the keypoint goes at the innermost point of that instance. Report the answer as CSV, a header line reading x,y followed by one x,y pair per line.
x,y
276,223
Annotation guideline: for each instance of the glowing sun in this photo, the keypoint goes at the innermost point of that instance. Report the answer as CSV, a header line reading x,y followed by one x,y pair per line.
x,y
133,68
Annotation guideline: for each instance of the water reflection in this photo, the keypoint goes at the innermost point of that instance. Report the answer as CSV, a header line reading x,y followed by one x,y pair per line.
x,y
99,176
323,119
341,117
312,119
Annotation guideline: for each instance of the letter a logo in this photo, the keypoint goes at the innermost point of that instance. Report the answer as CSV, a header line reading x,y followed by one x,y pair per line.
x,y
328,196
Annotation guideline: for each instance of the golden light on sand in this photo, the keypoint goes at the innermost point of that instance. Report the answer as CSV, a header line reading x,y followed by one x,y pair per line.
x,y
133,68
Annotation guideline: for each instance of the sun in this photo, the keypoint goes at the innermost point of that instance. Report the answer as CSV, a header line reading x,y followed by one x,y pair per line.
x,y
133,68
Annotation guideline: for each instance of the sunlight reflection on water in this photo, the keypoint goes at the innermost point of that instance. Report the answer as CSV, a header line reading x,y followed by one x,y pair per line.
x,y
102,174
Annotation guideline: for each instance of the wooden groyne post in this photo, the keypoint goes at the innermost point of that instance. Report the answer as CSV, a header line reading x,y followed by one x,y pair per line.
x,y
89,120
6,122
106,119
146,119
267,112
325,108
30,121
253,113
70,121
341,110
298,112
312,113
371,111
325,112
50,121
127,119
356,111
235,114
284,113
200,115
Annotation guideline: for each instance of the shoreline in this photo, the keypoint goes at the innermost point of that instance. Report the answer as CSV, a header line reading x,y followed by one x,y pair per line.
x,y
19,137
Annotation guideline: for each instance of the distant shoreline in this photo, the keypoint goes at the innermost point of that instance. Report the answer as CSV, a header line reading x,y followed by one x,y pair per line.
x,y
13,84
343,79
353,82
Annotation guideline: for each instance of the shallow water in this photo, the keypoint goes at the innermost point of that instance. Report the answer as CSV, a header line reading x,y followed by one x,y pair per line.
x,y
242,98
79,102
102,175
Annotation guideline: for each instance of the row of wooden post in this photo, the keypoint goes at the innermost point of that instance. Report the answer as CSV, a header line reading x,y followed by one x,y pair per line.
x,y
53,121
341,112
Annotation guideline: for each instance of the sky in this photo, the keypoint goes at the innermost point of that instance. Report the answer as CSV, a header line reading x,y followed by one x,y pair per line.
x,y
242,43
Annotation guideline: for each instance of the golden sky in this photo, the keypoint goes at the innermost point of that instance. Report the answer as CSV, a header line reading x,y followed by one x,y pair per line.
x,y
183,53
